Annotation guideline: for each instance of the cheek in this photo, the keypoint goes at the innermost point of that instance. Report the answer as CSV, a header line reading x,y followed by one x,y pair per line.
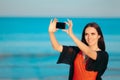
x,y
86,38
96,39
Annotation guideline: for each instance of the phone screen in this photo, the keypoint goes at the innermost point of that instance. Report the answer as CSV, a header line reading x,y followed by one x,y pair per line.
x,y
60,25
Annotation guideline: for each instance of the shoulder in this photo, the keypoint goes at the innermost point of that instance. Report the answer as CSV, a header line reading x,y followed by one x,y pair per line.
x,y
102,53
70,48
102,56
100,63
68,54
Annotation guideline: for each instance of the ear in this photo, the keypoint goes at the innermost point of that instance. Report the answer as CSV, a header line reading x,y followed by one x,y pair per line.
x,y
99,36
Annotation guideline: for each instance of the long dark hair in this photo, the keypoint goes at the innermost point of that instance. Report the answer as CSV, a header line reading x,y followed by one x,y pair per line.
x,y
101,43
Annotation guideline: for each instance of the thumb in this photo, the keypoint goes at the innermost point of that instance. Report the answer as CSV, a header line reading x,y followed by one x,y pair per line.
x,y
64,30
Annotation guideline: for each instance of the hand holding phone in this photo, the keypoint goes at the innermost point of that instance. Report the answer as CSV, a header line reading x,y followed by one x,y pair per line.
x,y
60,25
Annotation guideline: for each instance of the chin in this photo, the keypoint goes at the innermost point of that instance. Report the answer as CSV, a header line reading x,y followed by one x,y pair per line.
x,y
90,44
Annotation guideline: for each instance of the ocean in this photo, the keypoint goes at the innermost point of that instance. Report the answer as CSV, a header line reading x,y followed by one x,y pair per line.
x,y
26,52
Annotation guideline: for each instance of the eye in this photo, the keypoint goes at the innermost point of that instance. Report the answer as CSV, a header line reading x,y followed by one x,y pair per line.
x,y
92,33
86,34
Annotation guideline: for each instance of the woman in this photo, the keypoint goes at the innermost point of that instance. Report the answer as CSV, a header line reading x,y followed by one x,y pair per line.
x,y
88,60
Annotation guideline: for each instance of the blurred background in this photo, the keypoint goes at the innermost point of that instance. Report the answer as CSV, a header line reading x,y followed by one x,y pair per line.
x,y
25,49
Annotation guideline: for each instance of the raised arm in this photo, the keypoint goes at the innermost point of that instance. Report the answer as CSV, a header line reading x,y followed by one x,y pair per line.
x,y
83,47
52,30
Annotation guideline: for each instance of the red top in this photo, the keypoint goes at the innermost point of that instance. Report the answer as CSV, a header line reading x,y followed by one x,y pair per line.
x,y
80,73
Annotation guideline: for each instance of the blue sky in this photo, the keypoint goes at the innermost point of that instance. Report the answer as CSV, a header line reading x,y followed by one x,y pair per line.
x,y
81,8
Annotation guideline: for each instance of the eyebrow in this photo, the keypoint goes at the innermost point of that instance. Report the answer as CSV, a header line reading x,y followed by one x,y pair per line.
x,y
90,33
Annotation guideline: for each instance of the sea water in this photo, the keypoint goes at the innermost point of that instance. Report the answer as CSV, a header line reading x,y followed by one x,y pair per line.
x,y
26,52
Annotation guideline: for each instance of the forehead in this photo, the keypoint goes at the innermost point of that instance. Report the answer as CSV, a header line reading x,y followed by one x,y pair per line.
x,y
90,30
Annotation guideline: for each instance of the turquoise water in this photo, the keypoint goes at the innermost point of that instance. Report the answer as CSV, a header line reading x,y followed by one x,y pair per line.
x,y
26,52
9,25
44,67
30,34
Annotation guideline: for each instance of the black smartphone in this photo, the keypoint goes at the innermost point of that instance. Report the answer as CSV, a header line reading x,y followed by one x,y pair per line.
x,y
60,25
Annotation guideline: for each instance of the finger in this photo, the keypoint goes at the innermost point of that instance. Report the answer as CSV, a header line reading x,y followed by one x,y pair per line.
x,y
67,23
51,20
55,19
57,29
65,30
68,20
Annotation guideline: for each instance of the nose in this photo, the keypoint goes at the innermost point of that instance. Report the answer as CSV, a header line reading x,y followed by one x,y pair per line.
x,y
89,36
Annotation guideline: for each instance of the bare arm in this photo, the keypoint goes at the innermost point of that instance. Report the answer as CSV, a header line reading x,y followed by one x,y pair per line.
x,y
52,30
83,47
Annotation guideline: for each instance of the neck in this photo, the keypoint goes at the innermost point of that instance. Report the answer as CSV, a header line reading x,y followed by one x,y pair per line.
x,y
94,48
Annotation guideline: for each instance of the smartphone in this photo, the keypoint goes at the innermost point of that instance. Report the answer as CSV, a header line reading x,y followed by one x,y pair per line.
x,y
60,25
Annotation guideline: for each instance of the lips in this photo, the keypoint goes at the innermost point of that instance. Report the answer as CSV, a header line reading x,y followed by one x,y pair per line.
x,y
89,41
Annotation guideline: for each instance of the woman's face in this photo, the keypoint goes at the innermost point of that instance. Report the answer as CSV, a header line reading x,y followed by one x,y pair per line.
x,y
91,36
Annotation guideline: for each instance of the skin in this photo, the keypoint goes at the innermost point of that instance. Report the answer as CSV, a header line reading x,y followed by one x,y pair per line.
x,y
91,37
